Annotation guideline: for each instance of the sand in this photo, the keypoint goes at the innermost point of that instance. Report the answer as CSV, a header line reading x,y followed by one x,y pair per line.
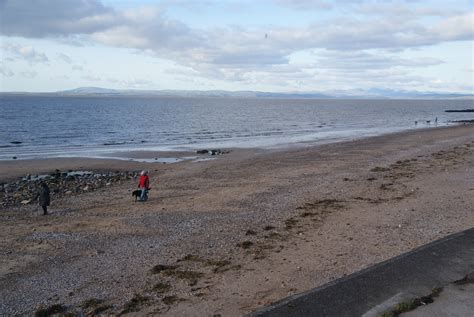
x,y
230,235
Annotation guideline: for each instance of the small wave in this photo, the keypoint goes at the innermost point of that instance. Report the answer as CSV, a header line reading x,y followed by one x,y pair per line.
x,y
114,143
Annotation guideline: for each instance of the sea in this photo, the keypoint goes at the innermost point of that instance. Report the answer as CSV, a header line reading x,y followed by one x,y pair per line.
x,y
78,126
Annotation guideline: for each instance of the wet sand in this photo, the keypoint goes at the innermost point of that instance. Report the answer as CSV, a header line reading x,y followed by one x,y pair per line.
x,y
230,235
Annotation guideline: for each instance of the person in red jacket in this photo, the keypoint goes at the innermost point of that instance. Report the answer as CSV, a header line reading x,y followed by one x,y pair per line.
x,y
144,185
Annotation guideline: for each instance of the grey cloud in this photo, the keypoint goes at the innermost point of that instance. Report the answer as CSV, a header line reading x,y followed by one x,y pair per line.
x,y
41,18
64,58
149,29
26,53
362,60
237,53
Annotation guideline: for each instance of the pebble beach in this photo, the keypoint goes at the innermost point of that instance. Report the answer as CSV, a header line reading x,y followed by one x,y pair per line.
x,y
224,237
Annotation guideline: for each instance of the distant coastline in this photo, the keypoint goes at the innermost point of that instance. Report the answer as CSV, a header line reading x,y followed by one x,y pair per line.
x,y
349,94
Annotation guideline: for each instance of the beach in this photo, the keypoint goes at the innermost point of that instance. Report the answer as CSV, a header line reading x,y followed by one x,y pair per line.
x,y
230,235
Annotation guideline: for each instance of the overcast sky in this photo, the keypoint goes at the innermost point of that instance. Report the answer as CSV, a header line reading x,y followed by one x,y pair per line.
x,y
267,45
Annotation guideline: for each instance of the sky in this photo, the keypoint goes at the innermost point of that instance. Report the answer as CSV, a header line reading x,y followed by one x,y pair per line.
x,y
264,45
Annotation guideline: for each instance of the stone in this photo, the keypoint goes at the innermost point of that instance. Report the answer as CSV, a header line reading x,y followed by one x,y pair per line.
x,y
25,202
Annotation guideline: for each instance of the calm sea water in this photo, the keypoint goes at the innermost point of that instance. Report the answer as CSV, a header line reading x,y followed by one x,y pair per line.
x,y
33,127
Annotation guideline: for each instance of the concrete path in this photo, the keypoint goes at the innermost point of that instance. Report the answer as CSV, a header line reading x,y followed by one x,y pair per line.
x,y
378,289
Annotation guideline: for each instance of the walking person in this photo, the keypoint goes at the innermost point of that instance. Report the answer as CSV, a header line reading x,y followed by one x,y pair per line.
x,y
44,198
144,185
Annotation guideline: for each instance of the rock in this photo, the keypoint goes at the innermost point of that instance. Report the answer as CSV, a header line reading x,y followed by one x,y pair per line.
x,y
86,188
108,184
69,192
25,202
212,152
14,157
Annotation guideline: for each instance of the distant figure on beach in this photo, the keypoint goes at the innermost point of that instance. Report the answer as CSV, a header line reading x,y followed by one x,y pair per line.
x,y
44,199
416,122
436,121
144,185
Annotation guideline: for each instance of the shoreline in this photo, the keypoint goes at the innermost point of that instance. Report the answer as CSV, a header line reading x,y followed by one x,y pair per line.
x,y
231,235
145,159
179,151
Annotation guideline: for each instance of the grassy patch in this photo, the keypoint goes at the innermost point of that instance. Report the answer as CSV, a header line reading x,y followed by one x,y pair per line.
x,y
192,257
93,302
135,304
290,223
98,310
185,275
323,204
386,186
274,235
222,269
161,268
51,310
379,169
162,287
170,300
436,291
412,304
245,244
218,263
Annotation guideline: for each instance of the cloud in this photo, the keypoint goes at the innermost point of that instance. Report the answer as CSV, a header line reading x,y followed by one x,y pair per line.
x,y
64,58
361,43
132,83
91,77
148,28
29,74
305,4
455,28
42,18
365,60
5,71
26,53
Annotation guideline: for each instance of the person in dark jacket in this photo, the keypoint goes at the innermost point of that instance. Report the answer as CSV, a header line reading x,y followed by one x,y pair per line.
x,y
144,185
44,199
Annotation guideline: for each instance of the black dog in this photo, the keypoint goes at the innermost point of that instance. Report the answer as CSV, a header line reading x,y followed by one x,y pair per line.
x,y
137,193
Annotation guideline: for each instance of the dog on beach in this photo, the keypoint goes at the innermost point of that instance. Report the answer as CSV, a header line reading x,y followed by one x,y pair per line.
x,y
137,193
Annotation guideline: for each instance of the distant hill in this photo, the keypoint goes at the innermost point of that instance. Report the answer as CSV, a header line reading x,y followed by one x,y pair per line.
x,y
88,91
374,93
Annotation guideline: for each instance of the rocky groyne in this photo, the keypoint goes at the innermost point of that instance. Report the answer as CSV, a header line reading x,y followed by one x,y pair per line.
x,y
24,190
